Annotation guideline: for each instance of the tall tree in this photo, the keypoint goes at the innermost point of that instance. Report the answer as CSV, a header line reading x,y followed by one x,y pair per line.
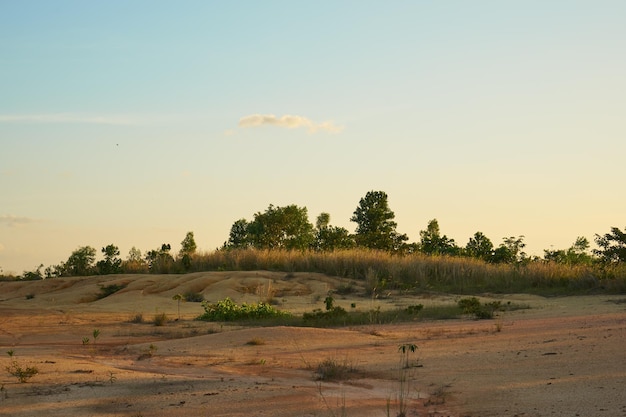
x,y
187,250
238,237
329,238
281,228
612,246
111,262
81,261
479,246
575,255
510,251
188,245
432,243
375,226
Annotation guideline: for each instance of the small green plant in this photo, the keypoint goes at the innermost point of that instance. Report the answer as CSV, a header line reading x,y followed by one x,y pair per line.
x,y
179,298
95,334
23,374
85,341
112,377
404,380
406,349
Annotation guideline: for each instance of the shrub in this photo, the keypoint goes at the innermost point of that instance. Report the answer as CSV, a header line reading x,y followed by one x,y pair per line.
x,y
160,319
474,307
228,310
106,290
332,370
193,297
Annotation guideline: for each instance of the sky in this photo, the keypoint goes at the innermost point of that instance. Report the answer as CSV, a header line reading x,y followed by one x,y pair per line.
x,y
134,122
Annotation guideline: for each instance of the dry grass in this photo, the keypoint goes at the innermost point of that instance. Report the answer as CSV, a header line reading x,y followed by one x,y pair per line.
x,y
382,271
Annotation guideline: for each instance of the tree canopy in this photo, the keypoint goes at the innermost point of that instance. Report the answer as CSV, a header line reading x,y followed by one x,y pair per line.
x,y
376,228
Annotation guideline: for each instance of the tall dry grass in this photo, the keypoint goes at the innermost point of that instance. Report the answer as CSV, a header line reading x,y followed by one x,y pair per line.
x,y
384,271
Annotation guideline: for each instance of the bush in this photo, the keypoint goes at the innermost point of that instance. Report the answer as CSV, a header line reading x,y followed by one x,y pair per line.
x,y
228,310
193,297
480,311
106,290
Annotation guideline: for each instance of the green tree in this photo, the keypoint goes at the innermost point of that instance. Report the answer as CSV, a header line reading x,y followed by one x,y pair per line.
x,y
375,226
510,251
238,237
432,243
281,228
577,254
612,246
111,264
329,238
187,250
479,247
160,260
81,261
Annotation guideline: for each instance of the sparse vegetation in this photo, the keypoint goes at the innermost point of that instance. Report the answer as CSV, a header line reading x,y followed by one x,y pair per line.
x,y
331,369
22,373
160,319
228,310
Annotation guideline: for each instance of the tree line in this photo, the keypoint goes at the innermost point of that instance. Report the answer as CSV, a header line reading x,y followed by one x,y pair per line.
x,y
288,228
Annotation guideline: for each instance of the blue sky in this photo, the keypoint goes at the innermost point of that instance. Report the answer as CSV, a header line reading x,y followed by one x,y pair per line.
x,y
133,122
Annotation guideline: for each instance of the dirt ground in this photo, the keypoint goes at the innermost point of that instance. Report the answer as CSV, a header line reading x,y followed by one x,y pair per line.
x,y
563,356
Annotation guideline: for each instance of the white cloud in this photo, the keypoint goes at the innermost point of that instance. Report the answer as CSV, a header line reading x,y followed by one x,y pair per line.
x,y
11,220
287,121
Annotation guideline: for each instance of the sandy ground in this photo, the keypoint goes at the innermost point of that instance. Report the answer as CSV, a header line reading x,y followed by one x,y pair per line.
x,y
562,357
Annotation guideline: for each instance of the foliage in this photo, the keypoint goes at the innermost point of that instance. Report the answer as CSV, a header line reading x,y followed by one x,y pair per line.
x,y
281,228
238,237
193,297
510,251
574,255
188,249
228,310
612,246
375,226
80,262
106,290
111,264
479,246
329,238
33,275
432,243
474,307
160,260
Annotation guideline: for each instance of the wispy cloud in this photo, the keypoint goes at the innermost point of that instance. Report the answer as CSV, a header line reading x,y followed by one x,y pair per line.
x,y
70,118
99,119
11,220
287,121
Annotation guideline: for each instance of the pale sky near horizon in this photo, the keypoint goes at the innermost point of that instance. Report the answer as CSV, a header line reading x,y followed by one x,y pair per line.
x,y
134,122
